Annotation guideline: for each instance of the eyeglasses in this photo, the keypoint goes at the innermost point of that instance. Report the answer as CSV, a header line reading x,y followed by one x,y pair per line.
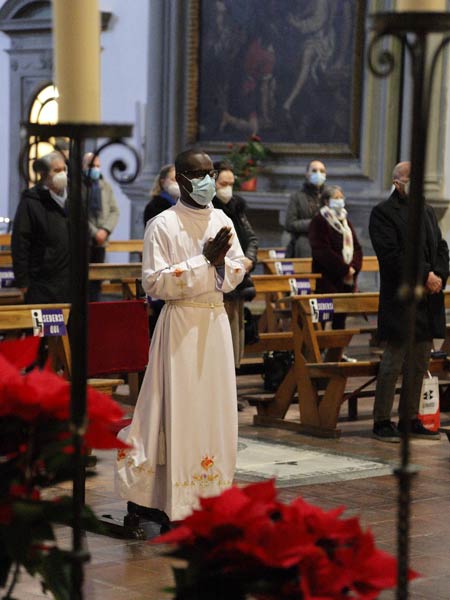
x,y
200,173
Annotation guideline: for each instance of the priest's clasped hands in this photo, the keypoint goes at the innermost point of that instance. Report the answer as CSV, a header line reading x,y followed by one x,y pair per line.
x,y
215,249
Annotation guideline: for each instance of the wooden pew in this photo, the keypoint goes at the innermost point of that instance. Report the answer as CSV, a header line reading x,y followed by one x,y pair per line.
x,y
273,288
5,240
125,246
319,412
17,318
304,265
117,278
266,253
5,258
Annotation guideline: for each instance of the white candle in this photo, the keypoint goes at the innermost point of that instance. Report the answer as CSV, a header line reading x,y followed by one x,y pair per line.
x,y
421,5
76,39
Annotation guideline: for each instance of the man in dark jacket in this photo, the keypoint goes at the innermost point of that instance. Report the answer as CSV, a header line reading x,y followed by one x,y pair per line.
x,y
40,237
388,232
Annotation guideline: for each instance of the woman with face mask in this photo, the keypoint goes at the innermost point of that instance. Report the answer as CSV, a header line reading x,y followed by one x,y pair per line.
x,y
164,193
234,207
336,251
303,205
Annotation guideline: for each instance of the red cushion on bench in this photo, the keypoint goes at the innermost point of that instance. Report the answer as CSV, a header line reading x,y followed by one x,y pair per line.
x,y
118,338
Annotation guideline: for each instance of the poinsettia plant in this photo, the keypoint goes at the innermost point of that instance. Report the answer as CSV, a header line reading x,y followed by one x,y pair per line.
x,y
36,453
247,544
247,158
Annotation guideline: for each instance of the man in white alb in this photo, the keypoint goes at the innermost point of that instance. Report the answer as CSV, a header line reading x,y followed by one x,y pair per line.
x,y
184,428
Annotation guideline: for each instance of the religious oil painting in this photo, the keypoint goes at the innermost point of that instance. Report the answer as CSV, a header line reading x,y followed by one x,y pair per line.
x,y
286,70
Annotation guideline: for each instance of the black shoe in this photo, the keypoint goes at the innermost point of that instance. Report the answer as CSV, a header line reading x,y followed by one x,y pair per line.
x,y
148,514
418,431
386,431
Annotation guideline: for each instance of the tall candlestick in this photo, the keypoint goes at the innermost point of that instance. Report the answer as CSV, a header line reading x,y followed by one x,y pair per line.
x,y
421,5
76,38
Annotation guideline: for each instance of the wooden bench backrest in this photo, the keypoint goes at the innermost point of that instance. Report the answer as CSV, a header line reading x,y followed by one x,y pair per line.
x,y
5,258
304,265
125,246
364,303
115,271
266,284
5,239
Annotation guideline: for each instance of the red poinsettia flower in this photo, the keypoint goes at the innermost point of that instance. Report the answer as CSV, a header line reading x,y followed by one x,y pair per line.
x,y
245,533
43,394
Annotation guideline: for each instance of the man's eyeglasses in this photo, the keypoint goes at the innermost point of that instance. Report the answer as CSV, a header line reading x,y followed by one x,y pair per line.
x,y
200,173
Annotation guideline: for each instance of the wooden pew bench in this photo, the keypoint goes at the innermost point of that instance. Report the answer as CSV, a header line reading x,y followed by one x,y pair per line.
x,y
16,319
318,375
278,266
117,278
272,288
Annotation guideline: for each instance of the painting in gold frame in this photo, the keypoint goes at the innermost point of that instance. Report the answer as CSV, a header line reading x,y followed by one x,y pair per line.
x,y
288,71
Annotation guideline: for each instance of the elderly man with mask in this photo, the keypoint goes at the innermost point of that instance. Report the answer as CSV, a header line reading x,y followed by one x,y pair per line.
x,y
303,206
184,429
388,228
40,237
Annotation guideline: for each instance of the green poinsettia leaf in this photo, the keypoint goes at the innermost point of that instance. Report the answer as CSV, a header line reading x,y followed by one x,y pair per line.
x,y
56,574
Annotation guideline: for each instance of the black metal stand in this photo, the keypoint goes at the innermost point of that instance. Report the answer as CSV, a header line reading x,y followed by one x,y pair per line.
x,y
79,244
412,30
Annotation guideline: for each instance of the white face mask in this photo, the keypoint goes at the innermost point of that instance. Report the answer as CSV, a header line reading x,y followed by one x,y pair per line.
x,y
203,190
172,188
59,181
317,178
337,203
225,193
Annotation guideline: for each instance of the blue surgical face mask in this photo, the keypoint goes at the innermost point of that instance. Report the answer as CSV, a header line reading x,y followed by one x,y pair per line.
x,y
93,173
203,190
317,178
337,203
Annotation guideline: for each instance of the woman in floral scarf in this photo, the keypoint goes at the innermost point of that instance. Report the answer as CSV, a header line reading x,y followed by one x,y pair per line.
x,y
336,251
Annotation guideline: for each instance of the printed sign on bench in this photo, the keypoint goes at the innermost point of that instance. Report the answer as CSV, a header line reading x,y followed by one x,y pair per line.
x,y
300,287
277,253
48,322
6,277
322,309
284,268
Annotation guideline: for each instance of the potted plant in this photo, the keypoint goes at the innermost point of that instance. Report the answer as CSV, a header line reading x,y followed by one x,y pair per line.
x,y
36,454
247,544
247,159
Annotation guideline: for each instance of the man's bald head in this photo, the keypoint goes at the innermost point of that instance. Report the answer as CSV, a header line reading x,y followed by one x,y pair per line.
x,y
400,178
401,170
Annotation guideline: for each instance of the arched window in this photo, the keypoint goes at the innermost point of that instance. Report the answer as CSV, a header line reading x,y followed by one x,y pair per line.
x,y
44,109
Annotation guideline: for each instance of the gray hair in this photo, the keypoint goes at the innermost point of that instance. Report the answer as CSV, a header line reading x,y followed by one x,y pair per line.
x,y
329,192
43,164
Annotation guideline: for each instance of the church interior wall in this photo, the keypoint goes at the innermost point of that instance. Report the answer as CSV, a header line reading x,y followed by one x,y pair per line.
x,y
127,70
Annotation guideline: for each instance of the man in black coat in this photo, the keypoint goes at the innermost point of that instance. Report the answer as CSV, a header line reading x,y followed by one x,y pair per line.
x,y
388,232
40,237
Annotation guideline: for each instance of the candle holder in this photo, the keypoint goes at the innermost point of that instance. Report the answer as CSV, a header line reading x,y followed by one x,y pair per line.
x,y
78,133
413,31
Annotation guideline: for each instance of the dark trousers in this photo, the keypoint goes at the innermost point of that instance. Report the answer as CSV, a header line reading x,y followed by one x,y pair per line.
x,y
392,364
96,255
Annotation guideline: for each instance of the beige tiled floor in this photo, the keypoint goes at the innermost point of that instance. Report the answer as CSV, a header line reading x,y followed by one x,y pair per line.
x,y
129,569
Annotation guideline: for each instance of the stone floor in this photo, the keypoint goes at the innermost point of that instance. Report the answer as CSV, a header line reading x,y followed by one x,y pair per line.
x,y
129,569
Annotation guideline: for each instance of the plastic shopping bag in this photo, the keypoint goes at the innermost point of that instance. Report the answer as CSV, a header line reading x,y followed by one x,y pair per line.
x,y
429,403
